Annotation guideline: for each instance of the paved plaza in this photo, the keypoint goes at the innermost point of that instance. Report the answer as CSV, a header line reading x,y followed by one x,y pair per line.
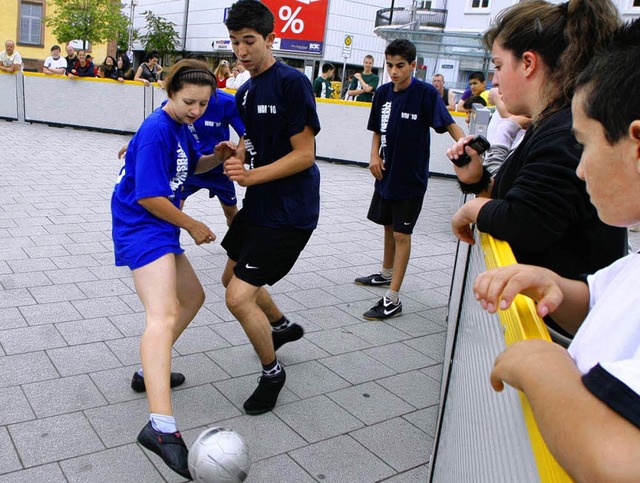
x,y
361,398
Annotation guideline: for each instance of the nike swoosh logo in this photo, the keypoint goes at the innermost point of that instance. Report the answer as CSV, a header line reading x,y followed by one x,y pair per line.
x,y
250,267
407,223
388,312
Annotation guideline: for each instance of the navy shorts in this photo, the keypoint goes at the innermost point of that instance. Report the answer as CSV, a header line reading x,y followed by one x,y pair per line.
x,y
218,185
263,254
402,214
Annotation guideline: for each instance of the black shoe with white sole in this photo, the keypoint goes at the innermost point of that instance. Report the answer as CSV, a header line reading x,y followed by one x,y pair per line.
x,y
375,280
384,309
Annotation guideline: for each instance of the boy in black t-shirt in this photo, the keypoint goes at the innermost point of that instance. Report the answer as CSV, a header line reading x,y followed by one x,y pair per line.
x,y
401,115
282,201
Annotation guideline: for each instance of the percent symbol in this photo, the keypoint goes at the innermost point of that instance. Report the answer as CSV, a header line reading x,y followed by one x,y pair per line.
x,y
291,19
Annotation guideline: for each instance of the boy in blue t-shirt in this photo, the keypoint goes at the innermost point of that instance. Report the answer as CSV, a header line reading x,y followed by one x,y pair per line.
x,y
401,115
282,201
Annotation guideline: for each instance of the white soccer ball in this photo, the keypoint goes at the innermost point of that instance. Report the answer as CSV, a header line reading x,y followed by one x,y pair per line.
x,y
219,455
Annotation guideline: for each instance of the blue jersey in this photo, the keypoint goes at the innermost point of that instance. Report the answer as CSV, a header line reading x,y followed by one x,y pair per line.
x,y
159,158
275,106
403,120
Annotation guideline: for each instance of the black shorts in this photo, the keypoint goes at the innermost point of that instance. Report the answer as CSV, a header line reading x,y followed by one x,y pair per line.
x,y
263,255
402,214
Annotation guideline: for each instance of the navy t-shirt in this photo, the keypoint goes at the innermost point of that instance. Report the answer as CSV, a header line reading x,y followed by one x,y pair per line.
x,y
275,106
403,120
213,128
159,158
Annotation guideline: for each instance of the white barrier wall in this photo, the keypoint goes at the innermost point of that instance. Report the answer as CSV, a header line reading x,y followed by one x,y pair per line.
x,y
111,105
9,95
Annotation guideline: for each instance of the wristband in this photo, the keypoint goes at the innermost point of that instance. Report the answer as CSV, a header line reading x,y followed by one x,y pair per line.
x,y
478,187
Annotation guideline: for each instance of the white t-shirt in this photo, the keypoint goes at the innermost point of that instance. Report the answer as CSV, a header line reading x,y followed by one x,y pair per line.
x,y
237,81
610,337
52,63
9,60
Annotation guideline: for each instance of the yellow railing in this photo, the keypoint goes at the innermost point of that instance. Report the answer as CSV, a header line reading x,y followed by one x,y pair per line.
x,y
520,322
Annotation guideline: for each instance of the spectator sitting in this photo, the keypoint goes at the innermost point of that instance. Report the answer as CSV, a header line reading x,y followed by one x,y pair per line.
x,y
83,68
89,58
10,59
586,400
467,106
124,65
222,73
111,69
477,87
102,72
149,71
322,85
71,58
54,64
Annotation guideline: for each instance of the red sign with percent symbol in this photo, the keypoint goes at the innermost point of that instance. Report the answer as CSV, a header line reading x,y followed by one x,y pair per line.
x,y
300,24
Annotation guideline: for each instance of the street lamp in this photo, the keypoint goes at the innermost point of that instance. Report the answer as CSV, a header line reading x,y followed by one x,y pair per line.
x,y
132,9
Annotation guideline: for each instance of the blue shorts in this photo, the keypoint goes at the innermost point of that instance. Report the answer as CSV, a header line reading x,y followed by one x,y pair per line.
x,y
218,185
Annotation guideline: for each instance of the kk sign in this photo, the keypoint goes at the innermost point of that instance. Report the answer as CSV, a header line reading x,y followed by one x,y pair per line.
x,y
300,24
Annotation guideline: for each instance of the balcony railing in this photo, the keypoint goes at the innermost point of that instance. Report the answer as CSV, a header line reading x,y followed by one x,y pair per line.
x,y
416,19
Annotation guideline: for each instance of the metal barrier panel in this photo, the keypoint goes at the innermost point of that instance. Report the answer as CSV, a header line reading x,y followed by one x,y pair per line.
x,y
9,95
92,103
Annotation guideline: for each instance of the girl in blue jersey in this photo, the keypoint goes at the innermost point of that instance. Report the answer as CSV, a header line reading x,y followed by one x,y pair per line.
x,y
146,231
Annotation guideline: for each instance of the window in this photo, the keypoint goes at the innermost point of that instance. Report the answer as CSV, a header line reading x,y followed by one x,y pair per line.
x,y
479,3
636,3
31,23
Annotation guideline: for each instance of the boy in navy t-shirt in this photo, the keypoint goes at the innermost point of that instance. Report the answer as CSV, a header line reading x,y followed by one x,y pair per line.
x,y
282,201
401,115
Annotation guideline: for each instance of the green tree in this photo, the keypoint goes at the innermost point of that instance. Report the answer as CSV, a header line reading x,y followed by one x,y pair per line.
x,y
160,35
96,21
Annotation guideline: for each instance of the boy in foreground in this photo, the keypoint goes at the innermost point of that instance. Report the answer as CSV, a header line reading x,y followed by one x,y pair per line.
x,y
401,115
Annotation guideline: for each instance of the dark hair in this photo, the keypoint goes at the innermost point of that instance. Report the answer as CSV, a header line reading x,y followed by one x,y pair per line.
x,y
565,36
115,62
200,57
250,14
55,47
609,81
470,101
326,67
151,55
479,76
188,71
403,48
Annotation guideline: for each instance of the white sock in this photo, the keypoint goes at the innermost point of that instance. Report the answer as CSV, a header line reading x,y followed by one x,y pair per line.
x,y
163,423
386,272
393,296
141,372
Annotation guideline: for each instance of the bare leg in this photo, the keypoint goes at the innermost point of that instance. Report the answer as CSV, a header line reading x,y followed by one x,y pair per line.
x,y
229,212
388,257
401,260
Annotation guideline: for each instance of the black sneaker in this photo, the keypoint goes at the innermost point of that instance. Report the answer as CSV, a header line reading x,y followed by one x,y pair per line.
x,y
376,280
137,383
384,309
265,396
291,333
169,446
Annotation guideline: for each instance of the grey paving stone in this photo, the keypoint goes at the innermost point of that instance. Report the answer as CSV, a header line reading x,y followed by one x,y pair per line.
x,y
232,332
237,360
126,463
22,280
115,384
434,372
49,313
15,253
10,318
120,423
15,407
396,442
376,333
65,228
64,395
330,317
197,406
341,459
129,324
370,403
28,339
70,275
416,388
416,475
424,419
199,339
24,368
4,267
46,251
50,473
91,247
338,341
311,378
416,325
85,331
133,302
357,367
101,307
279,468
31,265
314,297
430,345
300,351
103,288
16,297
75,261
57,293
127,350
105,273
317,418
46,240
9,460
52,439
266,435
81,359
198,369
400,357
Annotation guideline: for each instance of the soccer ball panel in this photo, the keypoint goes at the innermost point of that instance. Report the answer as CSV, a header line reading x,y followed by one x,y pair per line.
x,y
219,455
